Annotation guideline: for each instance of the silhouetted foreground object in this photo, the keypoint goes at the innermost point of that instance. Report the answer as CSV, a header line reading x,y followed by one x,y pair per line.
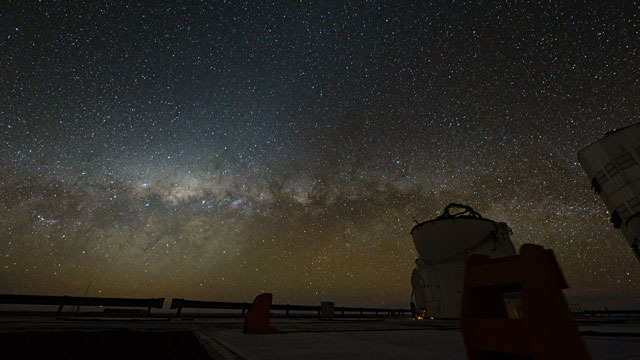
x,y
443,244
613,165
257,319
546,331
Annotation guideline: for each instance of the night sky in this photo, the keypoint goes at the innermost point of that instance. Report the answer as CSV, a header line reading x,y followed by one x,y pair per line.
x,y
221,149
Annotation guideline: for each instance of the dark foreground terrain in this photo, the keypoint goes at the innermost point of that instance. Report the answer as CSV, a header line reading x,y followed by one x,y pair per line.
x,y
109,344
192,336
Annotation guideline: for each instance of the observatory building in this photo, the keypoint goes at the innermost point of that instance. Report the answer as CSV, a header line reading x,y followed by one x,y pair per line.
x,y
612,164
443,245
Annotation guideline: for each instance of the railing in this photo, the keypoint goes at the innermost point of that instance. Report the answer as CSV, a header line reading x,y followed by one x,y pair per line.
x,y
180,304
576,309
289,307
612,312
63,301
342,310
196,304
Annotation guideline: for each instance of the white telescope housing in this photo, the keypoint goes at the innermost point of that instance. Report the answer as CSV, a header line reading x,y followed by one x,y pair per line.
x,y
613,165
443,245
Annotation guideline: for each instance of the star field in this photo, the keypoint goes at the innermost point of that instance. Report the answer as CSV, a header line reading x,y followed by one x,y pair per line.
x,y
220,149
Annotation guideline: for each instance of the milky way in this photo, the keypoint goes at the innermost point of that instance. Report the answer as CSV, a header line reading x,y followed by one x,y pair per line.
x,y
215,151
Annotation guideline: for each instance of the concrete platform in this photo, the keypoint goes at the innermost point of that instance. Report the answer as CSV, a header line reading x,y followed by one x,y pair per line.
x,y
308,338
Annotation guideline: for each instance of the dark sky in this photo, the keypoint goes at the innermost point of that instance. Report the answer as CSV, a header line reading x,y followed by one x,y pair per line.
x,y
221,149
